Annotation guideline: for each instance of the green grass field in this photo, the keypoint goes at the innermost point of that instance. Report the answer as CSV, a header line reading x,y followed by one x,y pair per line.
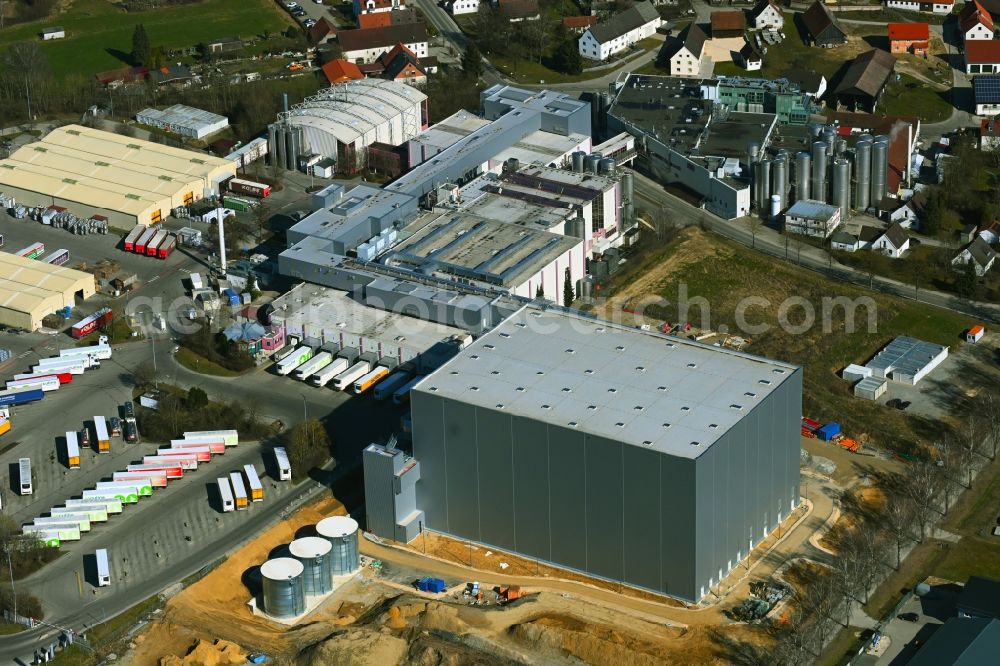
x,y
99,35
725,273
197,363
909,96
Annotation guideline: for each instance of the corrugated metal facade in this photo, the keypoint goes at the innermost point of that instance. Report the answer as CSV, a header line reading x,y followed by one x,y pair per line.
x,y
613,510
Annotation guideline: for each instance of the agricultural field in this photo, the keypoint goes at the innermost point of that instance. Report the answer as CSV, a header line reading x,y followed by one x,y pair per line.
x,y
99,34
725,274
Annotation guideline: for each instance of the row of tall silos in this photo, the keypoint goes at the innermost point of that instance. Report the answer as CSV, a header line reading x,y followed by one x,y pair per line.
x,y
315,561
285,142
850,178
595,163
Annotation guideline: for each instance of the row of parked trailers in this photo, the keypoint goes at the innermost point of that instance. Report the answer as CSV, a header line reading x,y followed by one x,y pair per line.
x,y
37,251
51,373
343,370
151,241
68,522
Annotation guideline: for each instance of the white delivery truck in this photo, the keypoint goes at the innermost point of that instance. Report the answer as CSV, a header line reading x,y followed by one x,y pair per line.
x,y
100,352
323,377
105,495
97,514
66,519
284,468
351,375
313,365
109,505
103,567
229,437
24,474
254,484
293,360
239,490
225,494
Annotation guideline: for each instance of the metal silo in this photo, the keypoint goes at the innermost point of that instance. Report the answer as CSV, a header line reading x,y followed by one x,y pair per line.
x,y
591,163
841,191
284,592
342,533
862,172
880,166
829,137
753,152
608,165
578,161
291,154
764,189
277,148
839,147
802,175
817,185
628,198
314,554
815,130
779,177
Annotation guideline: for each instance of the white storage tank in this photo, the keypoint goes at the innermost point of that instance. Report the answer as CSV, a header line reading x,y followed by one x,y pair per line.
x,y
314,554
342,533
284,589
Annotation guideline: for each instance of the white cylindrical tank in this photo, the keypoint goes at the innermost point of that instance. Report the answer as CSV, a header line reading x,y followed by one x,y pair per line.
x,y
314,554
775,206
342,533
284,591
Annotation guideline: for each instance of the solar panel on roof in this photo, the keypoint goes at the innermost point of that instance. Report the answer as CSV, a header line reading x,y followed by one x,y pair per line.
x,y
987,89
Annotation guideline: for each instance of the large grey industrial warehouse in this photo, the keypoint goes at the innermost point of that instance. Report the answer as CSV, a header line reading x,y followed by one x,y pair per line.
x,y
628,455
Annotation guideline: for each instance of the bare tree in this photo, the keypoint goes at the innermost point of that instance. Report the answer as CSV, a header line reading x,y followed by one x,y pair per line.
x,y
753,225
989,408
923,487
897,517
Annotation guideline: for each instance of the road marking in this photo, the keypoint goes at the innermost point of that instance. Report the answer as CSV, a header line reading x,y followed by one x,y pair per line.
x,y
153,279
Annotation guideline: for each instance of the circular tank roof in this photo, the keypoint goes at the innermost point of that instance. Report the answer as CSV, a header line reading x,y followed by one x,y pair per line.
x,y
309,547
337,526
281,568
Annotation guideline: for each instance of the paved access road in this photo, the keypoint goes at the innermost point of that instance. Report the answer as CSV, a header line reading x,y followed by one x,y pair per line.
x,y
653,197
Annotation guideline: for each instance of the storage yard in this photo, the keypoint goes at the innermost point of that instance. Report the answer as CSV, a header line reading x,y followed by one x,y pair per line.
x,y
92,172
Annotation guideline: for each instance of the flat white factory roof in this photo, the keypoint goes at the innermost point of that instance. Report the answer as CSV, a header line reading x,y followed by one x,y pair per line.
x,y
316,307
647,389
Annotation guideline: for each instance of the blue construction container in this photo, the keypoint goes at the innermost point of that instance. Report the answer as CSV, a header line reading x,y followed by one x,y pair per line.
x,y
828,431
232,296
435,585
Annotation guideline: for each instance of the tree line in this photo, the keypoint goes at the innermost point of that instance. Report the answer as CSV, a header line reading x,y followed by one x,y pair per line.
x,y
868,552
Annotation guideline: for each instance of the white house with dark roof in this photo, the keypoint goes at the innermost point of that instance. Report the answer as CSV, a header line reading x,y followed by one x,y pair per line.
x,y
686,60
767,14
620,32
979,253
893,242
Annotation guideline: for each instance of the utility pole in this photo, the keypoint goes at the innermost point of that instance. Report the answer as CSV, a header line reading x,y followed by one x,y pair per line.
x,y
10,568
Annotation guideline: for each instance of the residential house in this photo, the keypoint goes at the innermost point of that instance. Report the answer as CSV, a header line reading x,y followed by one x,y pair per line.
x,y
49,34
324,31
980,598
909,38
979,253
865,80
376,6
579,24
822,28
867,236
989,134
893,242
340,70
385,19
749,58
968,233
812,218
620,32
982,57
986,93
402,65
809,82
175,75
117,77
991,234
516,11
975,22
224,45
960,642
910,213
457,7
365,45
686,59
767,14
935,6
728,24
847,242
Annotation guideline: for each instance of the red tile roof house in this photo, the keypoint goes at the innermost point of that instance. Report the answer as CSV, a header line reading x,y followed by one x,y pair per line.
x,y
909,38
982,57
579,24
